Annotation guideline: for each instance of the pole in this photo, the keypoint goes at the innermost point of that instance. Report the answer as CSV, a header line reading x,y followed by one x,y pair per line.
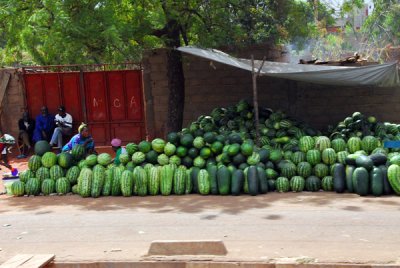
x,y
255,97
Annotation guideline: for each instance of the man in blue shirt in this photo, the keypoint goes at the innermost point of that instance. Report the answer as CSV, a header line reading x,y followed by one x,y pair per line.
x,y
44,125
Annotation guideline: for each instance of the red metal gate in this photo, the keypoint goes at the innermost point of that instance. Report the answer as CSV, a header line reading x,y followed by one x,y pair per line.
x,y
110,101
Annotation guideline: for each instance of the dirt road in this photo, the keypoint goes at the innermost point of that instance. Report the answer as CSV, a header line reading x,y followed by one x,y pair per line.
x,y
307,227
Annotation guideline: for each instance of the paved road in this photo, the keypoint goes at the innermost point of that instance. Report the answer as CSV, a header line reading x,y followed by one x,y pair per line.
x,y
307,227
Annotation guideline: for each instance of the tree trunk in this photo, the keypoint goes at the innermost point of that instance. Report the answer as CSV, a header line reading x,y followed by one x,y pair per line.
x,y
176,79
176,86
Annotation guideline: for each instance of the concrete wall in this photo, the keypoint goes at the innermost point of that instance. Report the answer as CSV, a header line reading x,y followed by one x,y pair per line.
x,y
13,104
210,85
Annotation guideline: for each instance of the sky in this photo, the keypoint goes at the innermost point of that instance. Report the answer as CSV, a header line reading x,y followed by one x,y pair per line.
x,y
337,3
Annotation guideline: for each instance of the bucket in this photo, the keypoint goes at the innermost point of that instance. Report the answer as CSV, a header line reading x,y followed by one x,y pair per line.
x,y
7,182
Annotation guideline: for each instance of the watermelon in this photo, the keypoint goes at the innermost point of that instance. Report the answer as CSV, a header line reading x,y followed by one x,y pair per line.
x,y
224,180
166,179
175,160
25,175
306,143
153,180
329,156
339,145
42,147
298,157
188,183
108,174
91,160
127,183
104,159
85,182
97,181
327,183
341,156
198,142
56,172
140,181
179,181
376,181
18,188
304,169
49,159
282,184
361,181
297,183
42,173
63,186
65,160
34,163
173,138
339,178
131,148
288,170
157,145
124,158
322,143
116,181
78,152
321,170
271,173
369,143
138,157
393,175
313,156
313,184
144,146
163,159
354,144
170,149
32,186
203,182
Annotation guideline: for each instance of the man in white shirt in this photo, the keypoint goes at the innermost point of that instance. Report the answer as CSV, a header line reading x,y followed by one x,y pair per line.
x,y
63,121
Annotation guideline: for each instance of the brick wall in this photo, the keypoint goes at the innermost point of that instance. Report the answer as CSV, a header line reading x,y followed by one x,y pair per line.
x,y
210,85
13,103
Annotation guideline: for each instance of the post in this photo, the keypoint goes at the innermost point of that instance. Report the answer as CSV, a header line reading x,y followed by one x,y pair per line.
x,y
255,97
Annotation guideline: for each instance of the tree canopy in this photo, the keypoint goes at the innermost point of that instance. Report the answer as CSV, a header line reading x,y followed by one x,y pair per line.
x,y
97,31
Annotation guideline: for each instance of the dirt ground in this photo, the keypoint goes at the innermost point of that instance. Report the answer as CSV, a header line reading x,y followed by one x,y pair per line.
x,y
292,227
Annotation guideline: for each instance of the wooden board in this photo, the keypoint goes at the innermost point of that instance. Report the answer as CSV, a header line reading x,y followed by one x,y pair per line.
x,y
28,261
5,78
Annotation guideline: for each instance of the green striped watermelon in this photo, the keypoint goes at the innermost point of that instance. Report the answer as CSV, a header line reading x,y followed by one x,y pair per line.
x,y
18,188
180,180
339,145
304,169
282,184
203,182
85,182
127,183
166,179
48,186
25,175
329,156
56,172
327,183
354,144
78,152
43,173
97,181
49,159
140,181
321,170
32,186
297,183
306,143
393,175
65,160
153,180
313,156
73,174
63,186
34,163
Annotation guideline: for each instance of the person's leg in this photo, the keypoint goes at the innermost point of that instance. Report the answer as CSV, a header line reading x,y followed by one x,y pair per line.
x,y
55,136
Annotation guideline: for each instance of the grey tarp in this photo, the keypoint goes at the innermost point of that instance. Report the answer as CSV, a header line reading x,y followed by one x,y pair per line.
x,y
381,75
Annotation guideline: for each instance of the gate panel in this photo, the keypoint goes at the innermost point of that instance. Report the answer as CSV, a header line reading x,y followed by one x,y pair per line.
x,y
96,102
52,92
116,95
113,100
134,94
71,97
34,93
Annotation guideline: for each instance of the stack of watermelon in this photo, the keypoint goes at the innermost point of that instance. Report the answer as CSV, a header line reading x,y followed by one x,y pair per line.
x,y
217,154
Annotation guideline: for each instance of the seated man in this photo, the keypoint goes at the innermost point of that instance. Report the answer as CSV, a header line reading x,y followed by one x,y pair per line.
x,y
63,122
6,142
44,126
26,126
83,138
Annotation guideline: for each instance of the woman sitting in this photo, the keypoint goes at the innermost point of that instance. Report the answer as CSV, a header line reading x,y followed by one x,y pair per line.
x,y
83,138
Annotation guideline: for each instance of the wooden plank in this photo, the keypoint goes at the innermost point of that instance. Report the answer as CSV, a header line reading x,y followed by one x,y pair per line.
x,y
38,260
28,261
3,86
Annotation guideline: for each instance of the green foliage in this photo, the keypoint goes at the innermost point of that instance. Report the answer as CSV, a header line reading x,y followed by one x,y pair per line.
x,y
90,31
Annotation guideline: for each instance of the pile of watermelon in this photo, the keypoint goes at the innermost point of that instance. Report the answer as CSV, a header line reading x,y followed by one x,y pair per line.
x,y
217,154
